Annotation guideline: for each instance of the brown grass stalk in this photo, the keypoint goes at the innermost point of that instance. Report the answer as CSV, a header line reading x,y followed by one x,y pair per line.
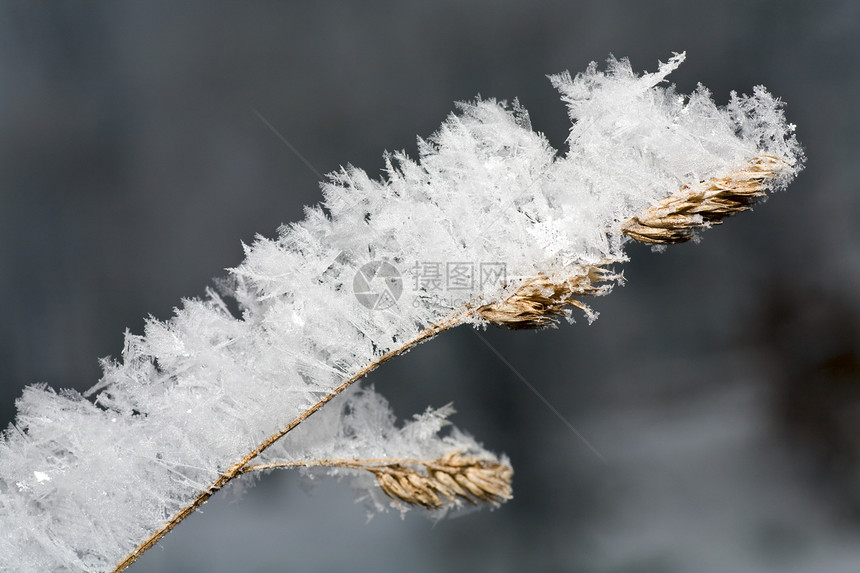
x,y
538,303
238,468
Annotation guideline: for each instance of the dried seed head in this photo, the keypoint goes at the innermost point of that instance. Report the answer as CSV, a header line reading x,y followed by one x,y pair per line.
x,y
540,301
450,480
675,218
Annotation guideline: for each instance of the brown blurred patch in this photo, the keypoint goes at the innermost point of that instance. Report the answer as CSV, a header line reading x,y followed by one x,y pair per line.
x,y
811,343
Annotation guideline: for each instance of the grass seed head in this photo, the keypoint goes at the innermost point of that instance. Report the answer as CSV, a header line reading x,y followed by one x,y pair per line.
x,y
676,218
450,480
541,301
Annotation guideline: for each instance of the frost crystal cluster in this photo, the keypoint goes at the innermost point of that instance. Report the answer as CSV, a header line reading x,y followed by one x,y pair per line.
x,y
86,479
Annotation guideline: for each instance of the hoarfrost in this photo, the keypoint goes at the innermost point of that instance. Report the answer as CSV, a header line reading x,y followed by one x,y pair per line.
x,y
83,481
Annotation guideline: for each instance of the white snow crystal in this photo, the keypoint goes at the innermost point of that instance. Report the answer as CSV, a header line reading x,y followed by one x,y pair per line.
x,y
82,481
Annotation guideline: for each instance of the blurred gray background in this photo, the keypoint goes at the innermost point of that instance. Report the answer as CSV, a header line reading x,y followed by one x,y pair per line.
x,y
721,384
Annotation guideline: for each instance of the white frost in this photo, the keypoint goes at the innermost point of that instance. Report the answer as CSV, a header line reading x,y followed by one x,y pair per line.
x,y
193,394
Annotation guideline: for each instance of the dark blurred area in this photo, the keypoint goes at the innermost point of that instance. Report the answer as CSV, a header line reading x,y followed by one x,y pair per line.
x,y
812,352
721,384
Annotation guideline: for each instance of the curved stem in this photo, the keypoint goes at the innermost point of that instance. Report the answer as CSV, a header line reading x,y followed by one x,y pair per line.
x,y
358,464
537,301
238,468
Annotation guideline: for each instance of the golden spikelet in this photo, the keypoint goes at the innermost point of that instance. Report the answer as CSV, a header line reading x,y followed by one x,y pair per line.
x,y
450,480
433,484
540,301
675,218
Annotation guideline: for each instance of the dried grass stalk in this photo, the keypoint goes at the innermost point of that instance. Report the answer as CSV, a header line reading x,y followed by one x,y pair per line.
x,y
538,303
676,218
447,481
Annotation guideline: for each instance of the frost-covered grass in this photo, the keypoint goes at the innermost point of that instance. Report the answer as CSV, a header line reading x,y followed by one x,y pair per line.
x,y
89,482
